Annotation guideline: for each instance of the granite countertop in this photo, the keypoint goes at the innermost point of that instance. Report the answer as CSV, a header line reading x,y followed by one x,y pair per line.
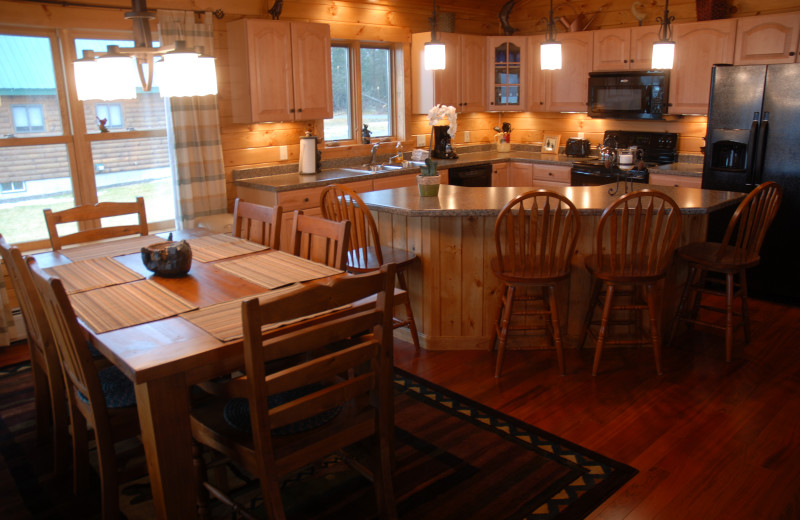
x,y
279,179
457,201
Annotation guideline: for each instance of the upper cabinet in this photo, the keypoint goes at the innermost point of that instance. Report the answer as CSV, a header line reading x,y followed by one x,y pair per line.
x,y
628,48
461,84
698,46
567,89
280,71
767,39
508,65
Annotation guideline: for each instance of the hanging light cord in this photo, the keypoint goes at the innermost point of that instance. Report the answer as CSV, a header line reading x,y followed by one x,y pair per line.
x,y
433,23
551,25
665,31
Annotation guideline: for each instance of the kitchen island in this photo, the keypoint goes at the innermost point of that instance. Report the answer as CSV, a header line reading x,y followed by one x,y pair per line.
x,y
454,294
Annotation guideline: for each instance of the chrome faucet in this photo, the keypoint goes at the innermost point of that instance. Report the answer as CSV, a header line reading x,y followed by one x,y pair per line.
x,y
373,152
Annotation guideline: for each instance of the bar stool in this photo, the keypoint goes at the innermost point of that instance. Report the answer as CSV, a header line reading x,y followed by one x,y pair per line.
x,y
738,250
534,244
366,253
634,246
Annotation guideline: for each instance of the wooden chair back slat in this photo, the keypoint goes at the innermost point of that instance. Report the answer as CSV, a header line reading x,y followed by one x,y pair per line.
x,y
90,215
535,235
339,203
257,223
637,234
750,221
321,240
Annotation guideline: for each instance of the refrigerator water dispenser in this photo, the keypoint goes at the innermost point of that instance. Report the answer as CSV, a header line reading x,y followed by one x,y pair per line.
x,y
729,154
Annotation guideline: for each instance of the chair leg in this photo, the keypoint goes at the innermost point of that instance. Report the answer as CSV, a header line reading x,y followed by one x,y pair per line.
x,y
551,291
412,325
109,483
655,327
272,498
601,334
200,476
679,315
728,317
80,452
745,313
507,303
588,319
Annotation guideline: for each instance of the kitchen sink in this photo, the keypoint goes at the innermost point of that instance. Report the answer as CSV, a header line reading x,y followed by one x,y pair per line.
x,y
382,168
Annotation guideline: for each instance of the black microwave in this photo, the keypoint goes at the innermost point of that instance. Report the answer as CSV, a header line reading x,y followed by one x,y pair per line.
x,y
628,94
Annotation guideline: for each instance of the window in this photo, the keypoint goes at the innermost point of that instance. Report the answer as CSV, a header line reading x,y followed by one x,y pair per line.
x,y
111,112
363,79
27,118
55,151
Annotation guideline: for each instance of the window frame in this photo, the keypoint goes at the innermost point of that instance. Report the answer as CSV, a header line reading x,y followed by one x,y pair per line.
x,y
108,105
354,75
28,129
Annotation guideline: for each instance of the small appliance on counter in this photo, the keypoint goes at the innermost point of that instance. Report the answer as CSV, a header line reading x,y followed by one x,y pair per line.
x,y
309,155
577,147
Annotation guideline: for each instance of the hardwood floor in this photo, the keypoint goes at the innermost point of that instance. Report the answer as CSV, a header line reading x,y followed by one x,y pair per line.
x,y
710,439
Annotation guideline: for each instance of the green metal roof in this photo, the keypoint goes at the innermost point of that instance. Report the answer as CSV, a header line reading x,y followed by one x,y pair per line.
x,y
26,65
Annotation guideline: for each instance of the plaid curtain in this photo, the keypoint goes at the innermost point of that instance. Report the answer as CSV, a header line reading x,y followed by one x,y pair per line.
x,y
193,128
6,321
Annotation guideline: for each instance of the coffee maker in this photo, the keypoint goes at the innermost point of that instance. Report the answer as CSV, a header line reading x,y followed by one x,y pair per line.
x,y
442,148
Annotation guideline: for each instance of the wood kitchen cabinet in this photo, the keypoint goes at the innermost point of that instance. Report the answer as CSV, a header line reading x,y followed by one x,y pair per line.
x,y
279,71
628,48
567,90
500,174
520,174
698,46
508,68
551,175
461,84
767,39
684,181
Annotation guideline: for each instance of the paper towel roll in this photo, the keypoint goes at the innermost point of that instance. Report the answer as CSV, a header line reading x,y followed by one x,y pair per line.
x,y
308,155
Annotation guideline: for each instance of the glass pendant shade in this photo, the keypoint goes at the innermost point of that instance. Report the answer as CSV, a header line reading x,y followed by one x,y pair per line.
x,y
434,56
550,55
182,74
116,78
88,81
663,55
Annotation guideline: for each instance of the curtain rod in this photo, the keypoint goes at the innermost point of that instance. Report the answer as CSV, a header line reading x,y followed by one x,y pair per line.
x,y
218,14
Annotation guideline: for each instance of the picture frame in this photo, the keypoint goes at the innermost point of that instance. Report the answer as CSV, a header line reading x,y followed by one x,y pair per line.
x,y
550,143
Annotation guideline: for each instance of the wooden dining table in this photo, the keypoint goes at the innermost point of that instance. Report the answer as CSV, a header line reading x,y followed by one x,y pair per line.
x,y
164,359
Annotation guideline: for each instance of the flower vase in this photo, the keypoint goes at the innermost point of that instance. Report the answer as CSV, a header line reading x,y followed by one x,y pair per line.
x,y
428,185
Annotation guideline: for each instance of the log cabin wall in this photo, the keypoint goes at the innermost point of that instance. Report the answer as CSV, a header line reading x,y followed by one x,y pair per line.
x,y
395,20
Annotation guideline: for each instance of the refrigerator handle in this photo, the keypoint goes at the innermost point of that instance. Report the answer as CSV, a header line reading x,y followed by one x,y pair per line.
x,y
761,148
752,143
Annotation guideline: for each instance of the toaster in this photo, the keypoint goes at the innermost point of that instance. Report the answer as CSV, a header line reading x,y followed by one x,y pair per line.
x,y
577,147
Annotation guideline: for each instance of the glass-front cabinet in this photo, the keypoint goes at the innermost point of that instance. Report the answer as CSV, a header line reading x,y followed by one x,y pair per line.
x,y
507,68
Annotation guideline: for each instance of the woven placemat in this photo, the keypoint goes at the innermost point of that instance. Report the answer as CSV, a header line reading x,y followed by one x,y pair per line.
x,y
94,273
276,269
217,247
125,305
124,246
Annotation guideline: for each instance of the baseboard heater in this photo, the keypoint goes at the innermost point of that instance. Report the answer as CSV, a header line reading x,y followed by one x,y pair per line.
x,y
18,331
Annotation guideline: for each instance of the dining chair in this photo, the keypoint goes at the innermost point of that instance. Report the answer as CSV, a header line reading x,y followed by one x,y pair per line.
x,y
634,245
333,389
102,401
257,223
366,253
321,240
535,236
50,400
89,215
738,251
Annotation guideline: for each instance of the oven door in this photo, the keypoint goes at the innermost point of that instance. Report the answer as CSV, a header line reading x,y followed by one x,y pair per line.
x,y
587,177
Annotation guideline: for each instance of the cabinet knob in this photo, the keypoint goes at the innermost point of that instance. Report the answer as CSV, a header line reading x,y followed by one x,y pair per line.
x,y
299,109
791,53
624,61
550,174
541,102
291,110
631,61
305,199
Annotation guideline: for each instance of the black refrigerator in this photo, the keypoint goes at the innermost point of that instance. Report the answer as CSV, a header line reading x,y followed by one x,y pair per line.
x,y
753,136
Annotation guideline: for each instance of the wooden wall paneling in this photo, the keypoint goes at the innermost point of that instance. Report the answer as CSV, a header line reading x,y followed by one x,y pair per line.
x,y
431,306
472,260
450,237
491,285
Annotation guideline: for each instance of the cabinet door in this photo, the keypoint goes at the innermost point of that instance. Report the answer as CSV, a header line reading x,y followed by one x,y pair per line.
x,y
536,76
767,39
658,179
472,86
611,49
520,174
311,59
698,46
500,174
507,68
568,88
445,87
642,40
261,70
551,174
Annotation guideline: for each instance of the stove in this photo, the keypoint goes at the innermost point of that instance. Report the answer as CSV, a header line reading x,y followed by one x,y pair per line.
x,y
657,148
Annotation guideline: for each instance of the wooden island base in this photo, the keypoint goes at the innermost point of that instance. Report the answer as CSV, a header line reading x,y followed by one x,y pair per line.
x,y
455,295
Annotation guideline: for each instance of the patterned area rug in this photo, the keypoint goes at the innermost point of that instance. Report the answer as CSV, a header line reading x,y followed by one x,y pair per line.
x,y
456,459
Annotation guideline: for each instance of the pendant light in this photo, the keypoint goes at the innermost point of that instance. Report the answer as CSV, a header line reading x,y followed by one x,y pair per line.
x,y
434,56
664,48
550,48
113,74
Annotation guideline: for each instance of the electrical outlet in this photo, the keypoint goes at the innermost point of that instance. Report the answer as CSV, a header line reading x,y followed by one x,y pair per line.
x,y
284,152
421,140
466,137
